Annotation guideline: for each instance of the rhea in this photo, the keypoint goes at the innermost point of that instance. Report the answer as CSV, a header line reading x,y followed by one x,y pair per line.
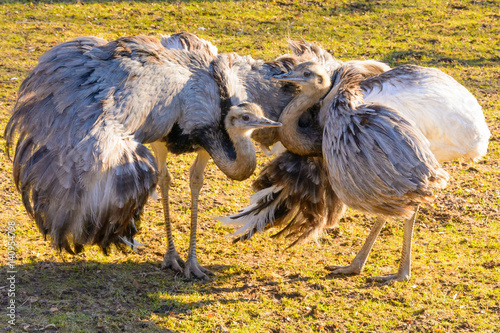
x,y
434,98
377,161
82,118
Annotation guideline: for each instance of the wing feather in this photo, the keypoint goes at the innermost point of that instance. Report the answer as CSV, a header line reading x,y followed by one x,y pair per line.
x,y
445,111
292,193
392,168
81,169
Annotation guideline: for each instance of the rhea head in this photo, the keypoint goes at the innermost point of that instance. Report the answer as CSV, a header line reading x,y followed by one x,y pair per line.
x,y
308,76
247,117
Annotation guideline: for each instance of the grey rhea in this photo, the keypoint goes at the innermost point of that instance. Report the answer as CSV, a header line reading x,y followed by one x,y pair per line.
x,y
82,118
376,160
379,163
429,103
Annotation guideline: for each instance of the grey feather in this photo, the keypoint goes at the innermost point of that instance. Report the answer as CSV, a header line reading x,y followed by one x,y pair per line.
x,y
377,161
86,110
311,52
83,115
188,42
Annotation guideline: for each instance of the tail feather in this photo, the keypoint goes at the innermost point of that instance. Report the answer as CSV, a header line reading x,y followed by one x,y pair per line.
x,y
292,192
79,207
82,176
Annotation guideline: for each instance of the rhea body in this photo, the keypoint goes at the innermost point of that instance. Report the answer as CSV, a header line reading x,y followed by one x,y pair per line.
x,y
446,113
83,116
379,163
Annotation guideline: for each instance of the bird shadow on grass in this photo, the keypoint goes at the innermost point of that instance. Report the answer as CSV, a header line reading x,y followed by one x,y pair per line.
x,y
87,295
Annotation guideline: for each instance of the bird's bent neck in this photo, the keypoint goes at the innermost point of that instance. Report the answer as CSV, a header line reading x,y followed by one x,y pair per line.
x,y
244,164
292,139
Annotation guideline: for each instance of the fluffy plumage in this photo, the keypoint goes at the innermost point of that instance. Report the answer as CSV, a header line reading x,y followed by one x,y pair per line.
x,y
82,117
188,42
395,88
275,202
446,113
82,173
377,161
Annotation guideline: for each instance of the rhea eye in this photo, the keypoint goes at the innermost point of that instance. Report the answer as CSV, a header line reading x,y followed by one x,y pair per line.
x,y
307,73
245,117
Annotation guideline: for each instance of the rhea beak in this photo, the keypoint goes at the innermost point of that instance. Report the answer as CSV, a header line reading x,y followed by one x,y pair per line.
x,y
287,77
265,122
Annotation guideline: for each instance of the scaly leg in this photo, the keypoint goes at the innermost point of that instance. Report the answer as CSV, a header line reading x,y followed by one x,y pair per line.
x,y
404,271
196,182
359,261
171,258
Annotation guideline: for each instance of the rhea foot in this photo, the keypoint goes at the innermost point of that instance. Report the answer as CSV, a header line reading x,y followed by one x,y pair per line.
x,y
389,279
172,260
193,268
347,270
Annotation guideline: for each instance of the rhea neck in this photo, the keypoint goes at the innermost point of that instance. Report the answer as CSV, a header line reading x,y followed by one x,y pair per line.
x,y
292,138
245,149
233,153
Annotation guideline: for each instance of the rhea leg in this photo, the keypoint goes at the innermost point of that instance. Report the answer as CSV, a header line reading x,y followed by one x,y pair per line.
x,y
404,270
359,261
171,258
196,182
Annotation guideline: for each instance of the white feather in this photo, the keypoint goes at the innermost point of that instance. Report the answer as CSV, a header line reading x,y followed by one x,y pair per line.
x,y
134,245
252,220
445,111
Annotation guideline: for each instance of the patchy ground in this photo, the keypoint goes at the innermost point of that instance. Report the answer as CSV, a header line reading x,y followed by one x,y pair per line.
x,y
259,287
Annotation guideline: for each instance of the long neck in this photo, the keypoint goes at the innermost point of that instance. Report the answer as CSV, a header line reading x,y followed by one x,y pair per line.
x,y
246,160
233,153
298,141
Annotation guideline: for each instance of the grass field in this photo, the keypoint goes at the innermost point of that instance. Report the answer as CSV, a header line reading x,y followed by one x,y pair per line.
x,y
259,287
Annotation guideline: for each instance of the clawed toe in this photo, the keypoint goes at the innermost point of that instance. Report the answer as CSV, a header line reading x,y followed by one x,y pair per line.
x,y
193,268
173,261
388,279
